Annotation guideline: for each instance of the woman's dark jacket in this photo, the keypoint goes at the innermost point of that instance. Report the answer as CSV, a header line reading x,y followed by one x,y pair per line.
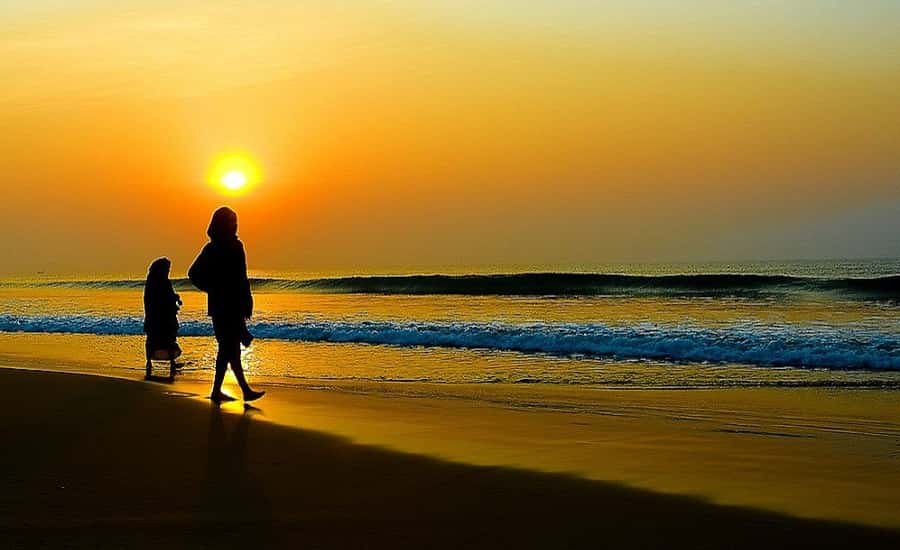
x,y
221,271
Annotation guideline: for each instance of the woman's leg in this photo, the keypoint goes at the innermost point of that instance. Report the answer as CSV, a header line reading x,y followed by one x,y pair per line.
x,y
223,357
230,353
238,368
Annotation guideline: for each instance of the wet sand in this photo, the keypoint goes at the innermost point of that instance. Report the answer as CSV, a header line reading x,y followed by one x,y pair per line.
x,y
101,462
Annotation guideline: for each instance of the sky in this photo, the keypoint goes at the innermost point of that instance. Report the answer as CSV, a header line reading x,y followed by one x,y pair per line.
x,y
422,134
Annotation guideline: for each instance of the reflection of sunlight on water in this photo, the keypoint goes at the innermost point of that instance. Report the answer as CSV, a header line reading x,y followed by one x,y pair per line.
x,y
293,363
249,358
230,385
207,359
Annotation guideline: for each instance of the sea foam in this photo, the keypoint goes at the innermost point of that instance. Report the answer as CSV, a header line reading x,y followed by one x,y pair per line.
x,y
794,345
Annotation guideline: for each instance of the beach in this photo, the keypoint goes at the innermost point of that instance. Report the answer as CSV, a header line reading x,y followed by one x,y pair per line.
x,y
103,462
673,406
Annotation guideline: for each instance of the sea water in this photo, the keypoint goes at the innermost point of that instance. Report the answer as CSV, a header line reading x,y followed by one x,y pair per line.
x,y
801,323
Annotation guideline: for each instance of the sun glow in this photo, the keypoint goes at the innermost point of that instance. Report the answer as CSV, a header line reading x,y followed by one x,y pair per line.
x,y
234,173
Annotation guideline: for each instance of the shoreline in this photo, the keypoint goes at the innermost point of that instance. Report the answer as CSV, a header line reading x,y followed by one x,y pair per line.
x,y
104,462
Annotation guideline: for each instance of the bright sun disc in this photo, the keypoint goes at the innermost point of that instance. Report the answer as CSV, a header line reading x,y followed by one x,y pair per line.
x,y
234,174
234,180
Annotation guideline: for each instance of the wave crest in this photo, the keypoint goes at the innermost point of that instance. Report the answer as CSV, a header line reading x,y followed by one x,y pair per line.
x,y
766,346
558,284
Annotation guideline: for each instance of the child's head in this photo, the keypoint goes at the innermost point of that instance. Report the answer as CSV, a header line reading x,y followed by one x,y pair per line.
x,y
159,269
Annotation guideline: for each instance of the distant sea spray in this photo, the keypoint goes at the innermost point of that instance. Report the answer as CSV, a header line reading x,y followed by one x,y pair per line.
x,y
554,284
804,346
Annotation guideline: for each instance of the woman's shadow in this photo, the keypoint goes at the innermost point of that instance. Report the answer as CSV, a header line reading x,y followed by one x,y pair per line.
x,y
234,502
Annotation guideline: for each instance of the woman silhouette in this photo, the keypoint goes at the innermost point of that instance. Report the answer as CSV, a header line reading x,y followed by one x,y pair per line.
x,y
221,272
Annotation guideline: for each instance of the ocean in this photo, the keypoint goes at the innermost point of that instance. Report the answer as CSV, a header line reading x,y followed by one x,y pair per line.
x,y
793,323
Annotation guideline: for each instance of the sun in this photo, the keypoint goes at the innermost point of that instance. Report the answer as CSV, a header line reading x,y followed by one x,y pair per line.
x,y
234,179
234,173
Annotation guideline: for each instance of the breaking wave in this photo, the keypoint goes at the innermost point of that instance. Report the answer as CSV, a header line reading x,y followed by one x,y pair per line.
x,y
556,284
804,346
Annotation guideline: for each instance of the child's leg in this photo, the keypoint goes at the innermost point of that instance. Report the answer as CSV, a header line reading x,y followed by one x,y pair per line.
x,y
149,366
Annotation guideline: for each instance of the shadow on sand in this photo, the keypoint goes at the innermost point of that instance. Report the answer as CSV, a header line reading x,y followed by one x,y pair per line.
x,y
114,464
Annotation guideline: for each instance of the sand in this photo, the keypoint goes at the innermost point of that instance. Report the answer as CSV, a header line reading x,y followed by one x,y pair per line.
x,y
100,462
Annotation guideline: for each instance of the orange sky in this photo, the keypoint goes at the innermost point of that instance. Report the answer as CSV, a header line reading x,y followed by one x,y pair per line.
x,y
427,134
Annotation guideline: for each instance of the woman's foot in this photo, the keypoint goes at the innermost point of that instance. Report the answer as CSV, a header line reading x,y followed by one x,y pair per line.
x,y
251,395
221,398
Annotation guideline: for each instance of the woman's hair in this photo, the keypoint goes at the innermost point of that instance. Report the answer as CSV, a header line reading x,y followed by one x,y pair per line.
x,y
223,225
159,268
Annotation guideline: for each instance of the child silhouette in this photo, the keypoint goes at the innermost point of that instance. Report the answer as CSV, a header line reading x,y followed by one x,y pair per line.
x,y
161,305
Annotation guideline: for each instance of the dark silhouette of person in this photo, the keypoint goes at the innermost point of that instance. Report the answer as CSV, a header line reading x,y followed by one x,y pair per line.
x,y
221,272
161,305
